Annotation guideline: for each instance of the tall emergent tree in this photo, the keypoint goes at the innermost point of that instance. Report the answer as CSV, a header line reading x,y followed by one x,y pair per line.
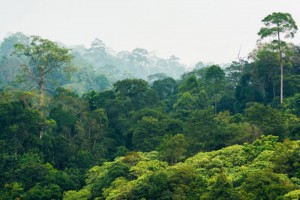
x,y
275,25
43,56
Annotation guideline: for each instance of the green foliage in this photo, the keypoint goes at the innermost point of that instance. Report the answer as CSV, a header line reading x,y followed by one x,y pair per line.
x,y
173,149
292,105
120,189
200,130
47,192
224,174
234,72
137,91
100,177
12,191
260,145
222,189
83,194
144,168
246,92
292,84
182,181
267,119
278,23
266,71
154,186
266,185
231,132
185,104
147,134
199,137
287,158
44,56
293,195
165,87
191,84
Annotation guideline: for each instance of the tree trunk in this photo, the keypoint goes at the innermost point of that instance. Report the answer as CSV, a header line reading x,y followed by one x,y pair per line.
x,y
281,68
41,134
42,100
281,79
42,90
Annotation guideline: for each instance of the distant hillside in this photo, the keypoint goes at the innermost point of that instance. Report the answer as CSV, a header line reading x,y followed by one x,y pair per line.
x,y
97,67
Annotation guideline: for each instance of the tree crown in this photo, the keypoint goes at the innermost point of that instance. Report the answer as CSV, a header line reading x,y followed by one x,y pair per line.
x,y
277,23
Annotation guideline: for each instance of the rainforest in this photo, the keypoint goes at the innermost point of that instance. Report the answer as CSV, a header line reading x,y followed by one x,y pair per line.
x,y
82,123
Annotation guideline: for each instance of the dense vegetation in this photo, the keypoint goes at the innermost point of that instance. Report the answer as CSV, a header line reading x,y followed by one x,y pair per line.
x,y
74,125
93,68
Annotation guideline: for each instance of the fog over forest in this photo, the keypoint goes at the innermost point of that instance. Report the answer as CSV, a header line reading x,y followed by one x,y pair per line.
x,y
92,123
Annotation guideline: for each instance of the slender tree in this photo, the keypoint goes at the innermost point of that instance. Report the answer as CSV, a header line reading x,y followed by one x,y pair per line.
x,y
43,56
275,25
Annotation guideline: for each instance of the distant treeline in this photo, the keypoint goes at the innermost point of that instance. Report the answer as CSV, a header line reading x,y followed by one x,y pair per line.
x,y
83,124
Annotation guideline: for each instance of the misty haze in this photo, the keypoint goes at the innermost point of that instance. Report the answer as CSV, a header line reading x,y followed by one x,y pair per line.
x,y
149,100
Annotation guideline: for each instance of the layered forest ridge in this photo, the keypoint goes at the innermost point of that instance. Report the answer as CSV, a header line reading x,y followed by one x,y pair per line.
x,y
89,123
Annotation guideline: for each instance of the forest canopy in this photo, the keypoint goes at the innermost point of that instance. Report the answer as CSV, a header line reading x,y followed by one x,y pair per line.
x,y
84,123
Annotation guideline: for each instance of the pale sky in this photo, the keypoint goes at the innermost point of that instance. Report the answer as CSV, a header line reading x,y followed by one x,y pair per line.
x,y
193,30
